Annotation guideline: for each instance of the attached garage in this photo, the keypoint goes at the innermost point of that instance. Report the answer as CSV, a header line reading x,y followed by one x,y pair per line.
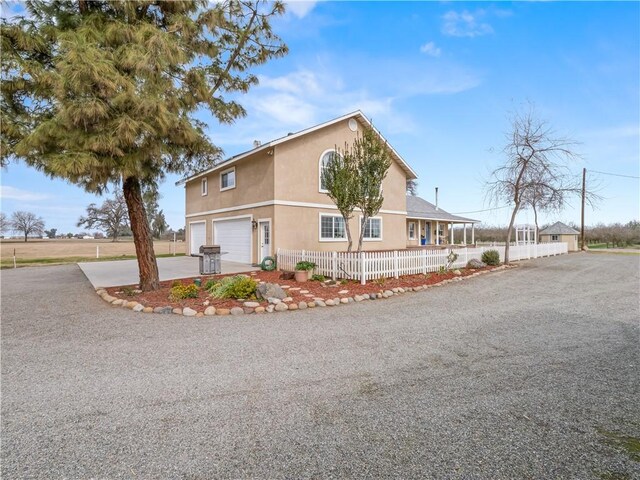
x,y
234,238
197,236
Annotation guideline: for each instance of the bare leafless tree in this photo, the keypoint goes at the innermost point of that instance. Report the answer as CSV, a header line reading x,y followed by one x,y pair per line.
x,y
27,223
536,171
111,216
412,187
5,224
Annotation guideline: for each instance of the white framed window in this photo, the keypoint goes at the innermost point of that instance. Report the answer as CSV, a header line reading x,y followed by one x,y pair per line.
x,y
412,230
204,187
554,238
332,228
228,179
372,229
325,158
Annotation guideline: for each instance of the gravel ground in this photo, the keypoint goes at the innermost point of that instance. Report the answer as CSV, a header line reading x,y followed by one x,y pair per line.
x,y
517,374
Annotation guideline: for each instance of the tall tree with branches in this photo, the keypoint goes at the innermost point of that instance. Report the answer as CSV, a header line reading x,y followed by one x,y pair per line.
x,y
107,91
27,223
111,217
5,224
340,179
536,170
372,158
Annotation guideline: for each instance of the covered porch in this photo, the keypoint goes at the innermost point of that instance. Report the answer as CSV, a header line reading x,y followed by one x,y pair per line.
x,y
427,224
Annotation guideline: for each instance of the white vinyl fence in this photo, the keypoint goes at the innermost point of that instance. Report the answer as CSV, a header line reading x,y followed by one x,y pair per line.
x,y
365,266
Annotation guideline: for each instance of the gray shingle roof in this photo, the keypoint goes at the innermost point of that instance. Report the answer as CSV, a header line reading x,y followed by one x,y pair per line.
x,y
419,208
559,228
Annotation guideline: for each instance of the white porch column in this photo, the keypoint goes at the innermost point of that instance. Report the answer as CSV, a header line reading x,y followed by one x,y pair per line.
x,y
437,232
473,233
464,234
451,229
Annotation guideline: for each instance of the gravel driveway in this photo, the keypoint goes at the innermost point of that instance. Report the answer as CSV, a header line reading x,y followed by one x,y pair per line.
x,y
526,373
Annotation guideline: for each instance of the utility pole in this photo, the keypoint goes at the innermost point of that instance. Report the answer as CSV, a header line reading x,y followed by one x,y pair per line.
x,y
584,182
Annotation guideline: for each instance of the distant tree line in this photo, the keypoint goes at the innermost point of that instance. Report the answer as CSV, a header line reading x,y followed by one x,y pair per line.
x,y
612,234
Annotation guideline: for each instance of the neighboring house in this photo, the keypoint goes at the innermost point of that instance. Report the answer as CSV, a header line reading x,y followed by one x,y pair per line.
x,y
272,197
559,232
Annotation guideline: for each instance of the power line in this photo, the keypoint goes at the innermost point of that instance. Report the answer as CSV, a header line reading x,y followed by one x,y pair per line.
x,y
485,210
613,174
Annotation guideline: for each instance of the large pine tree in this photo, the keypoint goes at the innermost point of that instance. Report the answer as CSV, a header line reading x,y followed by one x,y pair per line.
x,y
106,91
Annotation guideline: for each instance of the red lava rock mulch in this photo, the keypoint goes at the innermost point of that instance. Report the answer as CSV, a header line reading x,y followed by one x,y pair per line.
x,y
298,291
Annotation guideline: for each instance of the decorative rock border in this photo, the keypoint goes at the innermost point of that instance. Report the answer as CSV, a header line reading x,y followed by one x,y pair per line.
x,y
287,304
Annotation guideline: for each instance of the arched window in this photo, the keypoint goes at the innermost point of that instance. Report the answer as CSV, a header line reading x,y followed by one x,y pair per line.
x,y
325,159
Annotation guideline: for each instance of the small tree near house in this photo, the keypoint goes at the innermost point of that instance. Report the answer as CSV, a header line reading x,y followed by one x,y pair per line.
x,y
340,178
373,159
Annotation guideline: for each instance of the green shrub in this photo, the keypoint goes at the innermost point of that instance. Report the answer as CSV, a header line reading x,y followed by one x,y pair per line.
x,y
318,278
180,291
491,257
305,265
238,286
209,285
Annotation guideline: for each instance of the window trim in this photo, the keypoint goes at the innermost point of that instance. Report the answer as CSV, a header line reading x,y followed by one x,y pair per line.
x,y
320,189
409,231
369,239
235,182
204,187
326,239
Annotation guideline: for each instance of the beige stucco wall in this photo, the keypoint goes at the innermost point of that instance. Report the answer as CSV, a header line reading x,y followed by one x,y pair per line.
x,y
254,183
297,168
299,228
570,240
257,214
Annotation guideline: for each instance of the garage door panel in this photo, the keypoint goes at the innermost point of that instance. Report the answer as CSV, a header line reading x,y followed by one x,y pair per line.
x,y
234,238
197,237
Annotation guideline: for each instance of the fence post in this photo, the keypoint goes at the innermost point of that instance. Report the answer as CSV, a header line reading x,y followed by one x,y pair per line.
x,y
304,255
97,251
395,264
363,279
334,265
424,262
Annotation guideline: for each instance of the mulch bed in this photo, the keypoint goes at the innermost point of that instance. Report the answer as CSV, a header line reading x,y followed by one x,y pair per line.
x,y
298,291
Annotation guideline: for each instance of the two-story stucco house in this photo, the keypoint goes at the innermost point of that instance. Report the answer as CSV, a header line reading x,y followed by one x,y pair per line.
x,y
272,197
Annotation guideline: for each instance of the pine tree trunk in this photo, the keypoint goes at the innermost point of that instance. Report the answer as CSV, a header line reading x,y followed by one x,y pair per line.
x,y
147,265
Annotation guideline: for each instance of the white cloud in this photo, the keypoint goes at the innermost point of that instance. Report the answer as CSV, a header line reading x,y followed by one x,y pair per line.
x,y
465,24
431,49
12,193
300,8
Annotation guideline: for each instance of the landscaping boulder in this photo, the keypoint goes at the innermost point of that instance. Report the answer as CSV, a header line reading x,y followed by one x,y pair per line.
x,y
270,290
475,263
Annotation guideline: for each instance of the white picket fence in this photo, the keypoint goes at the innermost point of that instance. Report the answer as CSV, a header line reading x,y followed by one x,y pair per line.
x,y
365,266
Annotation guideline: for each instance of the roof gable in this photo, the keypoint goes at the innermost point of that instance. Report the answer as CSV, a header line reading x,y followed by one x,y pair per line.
x,y
559,228
411,174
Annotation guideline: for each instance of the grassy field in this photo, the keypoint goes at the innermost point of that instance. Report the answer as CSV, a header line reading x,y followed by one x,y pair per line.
x,y
59,251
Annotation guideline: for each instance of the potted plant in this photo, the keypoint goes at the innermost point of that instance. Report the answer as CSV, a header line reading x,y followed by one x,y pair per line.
x,y
303,270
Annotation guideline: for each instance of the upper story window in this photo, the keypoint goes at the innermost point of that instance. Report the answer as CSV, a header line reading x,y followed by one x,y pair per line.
x,y
373,229
204,189
325,159
228,179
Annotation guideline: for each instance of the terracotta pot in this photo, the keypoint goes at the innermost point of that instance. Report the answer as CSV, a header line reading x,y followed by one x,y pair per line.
x,y
302,275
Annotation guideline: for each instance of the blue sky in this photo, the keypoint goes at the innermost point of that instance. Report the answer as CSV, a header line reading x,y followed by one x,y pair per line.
x,y
439,81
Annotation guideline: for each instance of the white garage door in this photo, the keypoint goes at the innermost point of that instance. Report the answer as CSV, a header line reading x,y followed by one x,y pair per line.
x,y
198,236
234,238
